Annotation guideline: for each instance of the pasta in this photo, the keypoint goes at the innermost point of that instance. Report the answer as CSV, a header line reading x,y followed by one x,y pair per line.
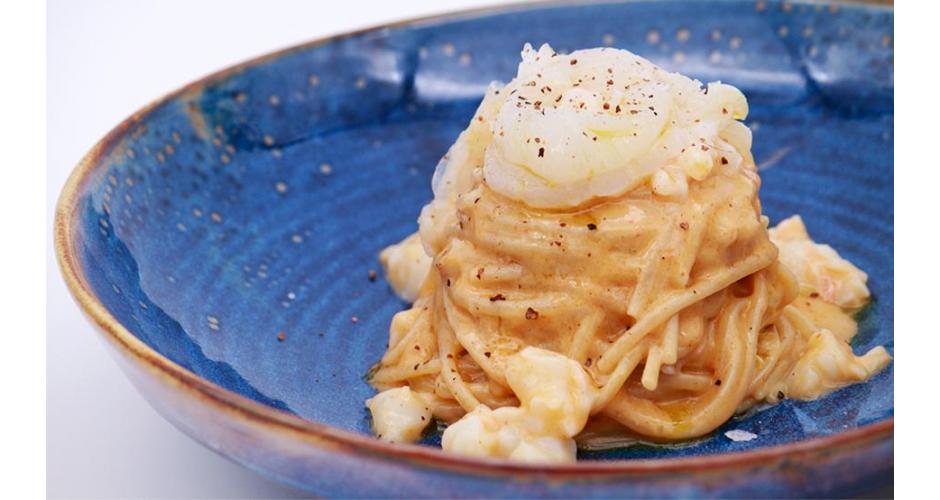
x,y
595,253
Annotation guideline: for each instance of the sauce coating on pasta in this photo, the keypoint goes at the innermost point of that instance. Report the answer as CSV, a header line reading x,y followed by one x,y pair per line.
x,y
595,253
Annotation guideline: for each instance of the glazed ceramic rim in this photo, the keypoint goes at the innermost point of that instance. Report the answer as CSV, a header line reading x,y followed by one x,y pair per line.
x,y
323,435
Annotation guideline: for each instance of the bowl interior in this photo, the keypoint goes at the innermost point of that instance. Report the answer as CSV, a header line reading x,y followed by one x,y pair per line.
x,y
256,203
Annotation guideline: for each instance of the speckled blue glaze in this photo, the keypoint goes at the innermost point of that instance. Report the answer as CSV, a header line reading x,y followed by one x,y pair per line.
x,y
257,203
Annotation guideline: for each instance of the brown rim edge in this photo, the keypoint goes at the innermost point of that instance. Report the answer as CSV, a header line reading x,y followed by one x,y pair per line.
x,y
240,407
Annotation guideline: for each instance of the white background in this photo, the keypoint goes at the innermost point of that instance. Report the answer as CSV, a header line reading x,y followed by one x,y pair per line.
x,y
105,60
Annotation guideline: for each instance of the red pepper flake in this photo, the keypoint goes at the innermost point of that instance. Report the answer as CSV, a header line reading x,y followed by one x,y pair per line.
x,y
633,112
417,347
538,104
718,382
480,273
814,295
448,281
281,336
541,152
781,395
724,111
588,362
574,61
610,82
592,226
684,225
724,161
562,224
617,109
531,314
497,297
372,274
487,354
606,105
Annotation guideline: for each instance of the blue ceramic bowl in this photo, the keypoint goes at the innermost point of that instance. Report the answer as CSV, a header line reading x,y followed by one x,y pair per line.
x,y
254,202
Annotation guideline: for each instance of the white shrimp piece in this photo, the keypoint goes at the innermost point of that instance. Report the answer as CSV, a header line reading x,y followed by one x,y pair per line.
x,y
406,266
670,182
553,388
599,122
555,395
829,364
399,415
819,268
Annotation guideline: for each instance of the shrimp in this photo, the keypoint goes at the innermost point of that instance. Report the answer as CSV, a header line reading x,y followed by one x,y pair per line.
x,y
600,122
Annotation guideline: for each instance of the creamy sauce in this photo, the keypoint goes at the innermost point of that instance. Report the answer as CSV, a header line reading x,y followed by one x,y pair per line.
x,y
585,199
